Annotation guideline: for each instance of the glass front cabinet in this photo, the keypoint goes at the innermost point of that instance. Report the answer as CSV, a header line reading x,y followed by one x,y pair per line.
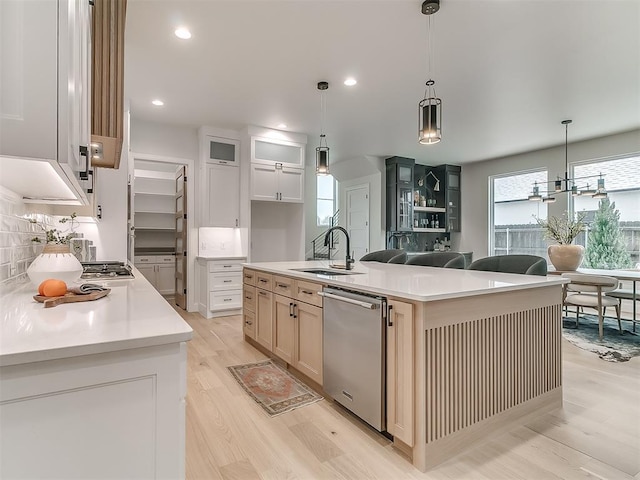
x,y
399,194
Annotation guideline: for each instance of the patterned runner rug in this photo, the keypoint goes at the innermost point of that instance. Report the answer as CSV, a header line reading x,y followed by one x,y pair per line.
x,y
275,389
614,347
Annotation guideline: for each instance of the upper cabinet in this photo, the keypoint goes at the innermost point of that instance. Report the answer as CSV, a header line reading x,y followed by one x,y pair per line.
x,y
45,99
277,166
220,178
452,178
399,172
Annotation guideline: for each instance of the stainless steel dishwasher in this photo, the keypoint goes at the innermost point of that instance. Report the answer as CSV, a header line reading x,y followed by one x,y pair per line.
x,y
354,353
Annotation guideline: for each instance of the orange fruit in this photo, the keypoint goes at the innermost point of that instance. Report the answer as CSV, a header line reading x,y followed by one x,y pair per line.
x,y
52,288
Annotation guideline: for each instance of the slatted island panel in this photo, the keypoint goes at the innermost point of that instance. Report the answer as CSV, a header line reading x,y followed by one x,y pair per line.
x,y
483,363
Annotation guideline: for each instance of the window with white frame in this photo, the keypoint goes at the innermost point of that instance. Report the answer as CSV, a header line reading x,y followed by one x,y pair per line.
x,y
325,203
513,228
622,183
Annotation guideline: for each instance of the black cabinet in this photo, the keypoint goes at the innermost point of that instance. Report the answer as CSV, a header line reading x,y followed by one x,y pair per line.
x,y
400,194
452,178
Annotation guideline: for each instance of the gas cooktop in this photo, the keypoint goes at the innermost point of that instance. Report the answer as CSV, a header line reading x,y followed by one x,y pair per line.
x,y
106,270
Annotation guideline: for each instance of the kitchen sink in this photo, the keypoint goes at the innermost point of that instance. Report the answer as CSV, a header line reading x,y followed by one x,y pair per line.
x,y
325,271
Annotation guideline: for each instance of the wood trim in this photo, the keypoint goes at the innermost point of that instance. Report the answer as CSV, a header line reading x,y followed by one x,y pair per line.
x,y
107,86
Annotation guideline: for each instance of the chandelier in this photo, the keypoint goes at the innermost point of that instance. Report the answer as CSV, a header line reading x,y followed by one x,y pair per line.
x,y
567,184
430,107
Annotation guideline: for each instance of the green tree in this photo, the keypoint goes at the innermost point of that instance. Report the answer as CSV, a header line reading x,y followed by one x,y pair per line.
x,y
605,246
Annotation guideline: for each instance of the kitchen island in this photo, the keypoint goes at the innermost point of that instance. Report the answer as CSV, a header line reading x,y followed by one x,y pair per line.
x,y
467,352
92,389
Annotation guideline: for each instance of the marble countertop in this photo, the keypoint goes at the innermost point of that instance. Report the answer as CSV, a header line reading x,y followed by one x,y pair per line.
x,y
412,282
133,315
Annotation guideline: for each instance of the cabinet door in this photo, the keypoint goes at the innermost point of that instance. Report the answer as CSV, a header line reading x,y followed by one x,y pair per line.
x,y
308,352
223,151
223,187
249,323
283,327
291,184
166,278
399,371
453,210
264,182
264,318
405,209
269,151
28,89
149,272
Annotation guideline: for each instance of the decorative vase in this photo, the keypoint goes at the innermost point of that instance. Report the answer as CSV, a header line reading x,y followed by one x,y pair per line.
x,y
566,257
55,261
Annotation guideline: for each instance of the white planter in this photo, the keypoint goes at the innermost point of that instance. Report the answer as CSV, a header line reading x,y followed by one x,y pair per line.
x,y
55,261
566,258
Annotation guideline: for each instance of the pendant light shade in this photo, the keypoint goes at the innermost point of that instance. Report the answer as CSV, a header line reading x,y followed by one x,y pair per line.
x,y
430,117
430,107
322,151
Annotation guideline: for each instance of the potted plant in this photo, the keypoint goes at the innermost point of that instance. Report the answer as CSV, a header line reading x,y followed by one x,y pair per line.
x,y
563,230
56,259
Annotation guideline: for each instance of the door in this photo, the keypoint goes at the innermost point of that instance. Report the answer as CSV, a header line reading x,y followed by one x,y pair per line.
x,y
291,184
264,182
181,238
308,352
223,184
283,327
357,214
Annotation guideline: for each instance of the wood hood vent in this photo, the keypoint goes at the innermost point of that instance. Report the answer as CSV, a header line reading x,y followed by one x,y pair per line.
x,y
107,86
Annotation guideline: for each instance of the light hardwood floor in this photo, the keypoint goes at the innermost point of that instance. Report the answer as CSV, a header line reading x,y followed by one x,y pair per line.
x,y
596,435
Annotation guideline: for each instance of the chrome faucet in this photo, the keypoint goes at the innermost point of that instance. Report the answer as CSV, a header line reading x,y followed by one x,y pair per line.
x,y
348,262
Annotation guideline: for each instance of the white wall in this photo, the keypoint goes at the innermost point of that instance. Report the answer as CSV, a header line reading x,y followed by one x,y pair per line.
x,y
165,140
475,182
277,231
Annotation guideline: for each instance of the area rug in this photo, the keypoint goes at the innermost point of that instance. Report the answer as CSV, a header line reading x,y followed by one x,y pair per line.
x,y
275,389
613,347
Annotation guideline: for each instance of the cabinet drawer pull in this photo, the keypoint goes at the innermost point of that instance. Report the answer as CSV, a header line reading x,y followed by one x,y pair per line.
x,y
248,276
307,292
227,281
262,293
228,300
248,297
262,280
248,322
282,285
227,266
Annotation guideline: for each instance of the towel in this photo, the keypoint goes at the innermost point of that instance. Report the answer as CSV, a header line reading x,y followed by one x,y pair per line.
x,y
86,288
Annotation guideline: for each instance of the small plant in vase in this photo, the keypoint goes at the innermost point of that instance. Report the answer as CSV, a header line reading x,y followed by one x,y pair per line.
x,y
563,230
56,260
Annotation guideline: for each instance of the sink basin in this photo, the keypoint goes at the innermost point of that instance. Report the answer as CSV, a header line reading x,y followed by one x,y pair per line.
x,y
325,271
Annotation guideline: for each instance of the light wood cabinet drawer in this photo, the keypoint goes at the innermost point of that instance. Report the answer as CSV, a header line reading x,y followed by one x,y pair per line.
x,y
283,285
264,280
225,266
249,277
249,298
225,281
308,292
249,323
225,300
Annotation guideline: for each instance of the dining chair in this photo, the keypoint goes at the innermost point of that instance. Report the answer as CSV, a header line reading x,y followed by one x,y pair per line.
x,y
589,291
382,256
624,294
523,264
439,259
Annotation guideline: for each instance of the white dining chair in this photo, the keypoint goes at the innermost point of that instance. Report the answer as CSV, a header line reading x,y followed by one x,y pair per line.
x,y
589,291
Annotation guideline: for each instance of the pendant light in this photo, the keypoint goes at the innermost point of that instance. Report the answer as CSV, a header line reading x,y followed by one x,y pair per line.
x,y
430,107
322,151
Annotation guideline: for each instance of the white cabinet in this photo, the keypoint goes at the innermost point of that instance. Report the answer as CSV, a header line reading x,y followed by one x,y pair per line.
x,y
220,286
271,150
160,270
45,98
72,417
277,183
223,151
223,194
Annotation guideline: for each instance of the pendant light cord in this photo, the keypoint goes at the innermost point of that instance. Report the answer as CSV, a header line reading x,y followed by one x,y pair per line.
x,y
323,107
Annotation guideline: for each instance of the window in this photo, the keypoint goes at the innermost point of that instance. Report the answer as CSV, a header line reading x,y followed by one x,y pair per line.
x,y
513,227
622,182
325,200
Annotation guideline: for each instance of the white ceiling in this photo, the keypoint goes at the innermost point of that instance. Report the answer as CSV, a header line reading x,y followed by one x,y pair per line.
x,y
508,71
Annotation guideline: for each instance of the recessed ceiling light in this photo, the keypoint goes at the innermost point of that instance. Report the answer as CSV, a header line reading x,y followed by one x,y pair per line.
x,y
350,82
183,33
158,103
282,125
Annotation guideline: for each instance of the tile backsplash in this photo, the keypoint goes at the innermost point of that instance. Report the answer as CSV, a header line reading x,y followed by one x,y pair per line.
x,y
17,250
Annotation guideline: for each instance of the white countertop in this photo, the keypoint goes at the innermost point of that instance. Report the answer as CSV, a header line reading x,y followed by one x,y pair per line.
x,y
133,315
413,282
227,257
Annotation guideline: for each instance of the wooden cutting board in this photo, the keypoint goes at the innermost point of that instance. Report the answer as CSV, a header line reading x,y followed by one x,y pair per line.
x,y
70,297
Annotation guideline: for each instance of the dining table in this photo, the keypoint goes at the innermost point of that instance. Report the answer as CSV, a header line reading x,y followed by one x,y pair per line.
x,y
630,275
